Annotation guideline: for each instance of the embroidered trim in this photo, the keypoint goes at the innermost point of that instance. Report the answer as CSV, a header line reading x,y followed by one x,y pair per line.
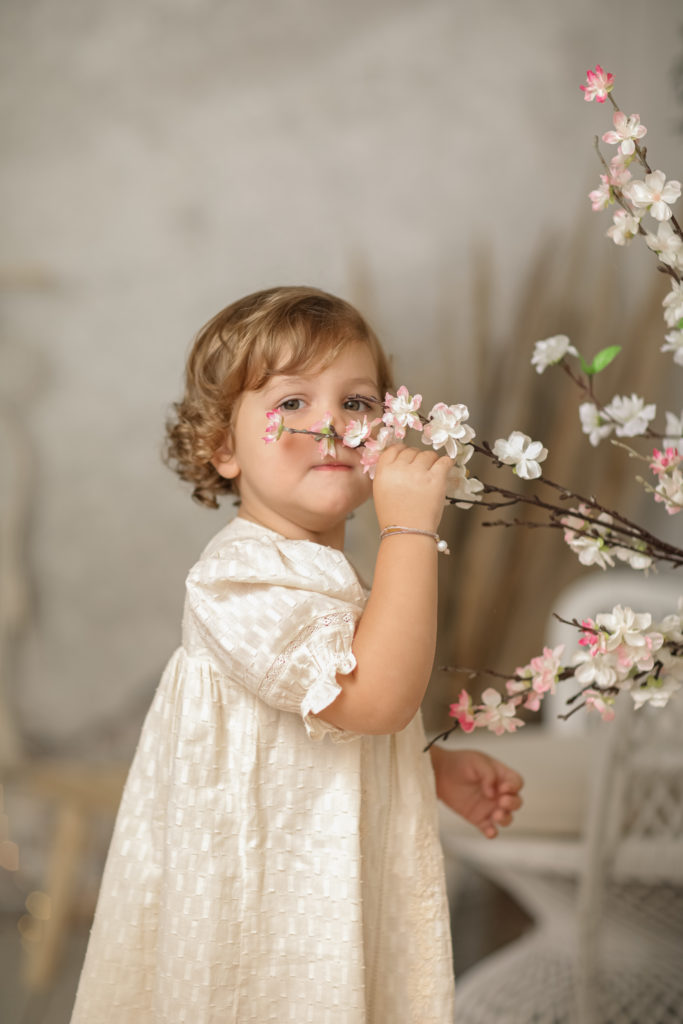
x,y
332,659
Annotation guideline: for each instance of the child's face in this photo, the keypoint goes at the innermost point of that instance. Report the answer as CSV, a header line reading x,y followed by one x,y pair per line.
x,y
286,485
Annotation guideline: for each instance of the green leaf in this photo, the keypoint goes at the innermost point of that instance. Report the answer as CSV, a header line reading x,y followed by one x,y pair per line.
x,y
584,365
602,359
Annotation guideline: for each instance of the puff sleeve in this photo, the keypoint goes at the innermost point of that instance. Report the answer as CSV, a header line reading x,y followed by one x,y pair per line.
x,y
281,629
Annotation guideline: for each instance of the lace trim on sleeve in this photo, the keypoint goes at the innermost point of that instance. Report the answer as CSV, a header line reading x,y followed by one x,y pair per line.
x,y
308,669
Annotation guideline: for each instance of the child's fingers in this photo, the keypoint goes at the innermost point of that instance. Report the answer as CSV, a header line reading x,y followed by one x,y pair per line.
x,y
502,817
510,802
391,454
510,781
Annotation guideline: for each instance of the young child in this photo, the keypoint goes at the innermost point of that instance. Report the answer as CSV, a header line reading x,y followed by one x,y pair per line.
x,y
276,856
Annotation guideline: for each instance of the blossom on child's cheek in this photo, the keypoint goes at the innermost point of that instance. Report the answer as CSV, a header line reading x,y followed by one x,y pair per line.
x,y
276,426
325,445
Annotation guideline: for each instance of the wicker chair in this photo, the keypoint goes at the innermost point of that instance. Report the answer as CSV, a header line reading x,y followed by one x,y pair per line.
x,y
607,945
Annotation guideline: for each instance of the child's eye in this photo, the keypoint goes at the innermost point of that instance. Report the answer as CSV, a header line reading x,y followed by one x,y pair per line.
x,y
291,404
359,403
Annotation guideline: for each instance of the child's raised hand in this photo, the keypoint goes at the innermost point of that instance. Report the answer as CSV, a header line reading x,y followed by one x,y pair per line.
x,y
410,487
479,788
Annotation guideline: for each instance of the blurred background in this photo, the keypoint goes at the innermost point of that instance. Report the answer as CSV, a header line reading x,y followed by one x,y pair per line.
x,y
428,161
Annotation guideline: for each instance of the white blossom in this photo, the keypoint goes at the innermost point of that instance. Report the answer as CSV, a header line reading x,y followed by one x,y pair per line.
x,y
630,415
358,431
463,487
520,452
593,424
671,626
587,539
655,194
401,411
673,305
624,229
657,691
636,559
625,628
599,669
551,351
591,550
446,428
674,430
674,343
667,244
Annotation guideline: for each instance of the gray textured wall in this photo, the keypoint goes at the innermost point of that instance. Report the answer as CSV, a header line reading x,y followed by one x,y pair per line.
x,y
162,158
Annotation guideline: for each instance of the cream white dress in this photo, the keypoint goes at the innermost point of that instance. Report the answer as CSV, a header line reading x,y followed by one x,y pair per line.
x,y
266,866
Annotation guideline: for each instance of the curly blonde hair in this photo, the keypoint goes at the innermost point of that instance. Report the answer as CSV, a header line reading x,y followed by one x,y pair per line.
x,y
236,351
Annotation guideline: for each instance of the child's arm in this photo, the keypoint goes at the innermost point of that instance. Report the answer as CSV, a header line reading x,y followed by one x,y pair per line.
x,y
481,789
395,640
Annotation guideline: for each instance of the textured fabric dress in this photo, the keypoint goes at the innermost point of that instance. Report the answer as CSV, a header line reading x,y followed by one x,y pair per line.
x,y
266,866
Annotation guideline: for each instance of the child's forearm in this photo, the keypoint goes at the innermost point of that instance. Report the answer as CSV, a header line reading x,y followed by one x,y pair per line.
x,y
395,641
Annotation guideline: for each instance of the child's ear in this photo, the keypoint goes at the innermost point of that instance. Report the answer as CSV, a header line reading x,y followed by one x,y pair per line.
x,y
224,461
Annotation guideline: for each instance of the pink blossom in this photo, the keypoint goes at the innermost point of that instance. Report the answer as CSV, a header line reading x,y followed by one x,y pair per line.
x,y
401,411
462,711
374,448
533,701
664,461
539,677
619,173
627,130
590,637
497,716
520,684
601,197
326,445
275,427
545,668
599,84
599,702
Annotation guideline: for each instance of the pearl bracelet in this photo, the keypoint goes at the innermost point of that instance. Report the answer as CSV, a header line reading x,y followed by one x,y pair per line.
x,y
392,531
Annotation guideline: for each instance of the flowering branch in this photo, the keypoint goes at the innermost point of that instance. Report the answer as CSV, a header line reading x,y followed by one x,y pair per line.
x,y
622,650
619,650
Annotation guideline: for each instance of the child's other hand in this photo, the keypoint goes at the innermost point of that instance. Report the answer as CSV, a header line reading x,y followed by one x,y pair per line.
x,y
410,487
481,789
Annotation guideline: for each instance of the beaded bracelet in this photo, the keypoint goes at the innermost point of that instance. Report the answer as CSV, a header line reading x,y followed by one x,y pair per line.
x,y
391,531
